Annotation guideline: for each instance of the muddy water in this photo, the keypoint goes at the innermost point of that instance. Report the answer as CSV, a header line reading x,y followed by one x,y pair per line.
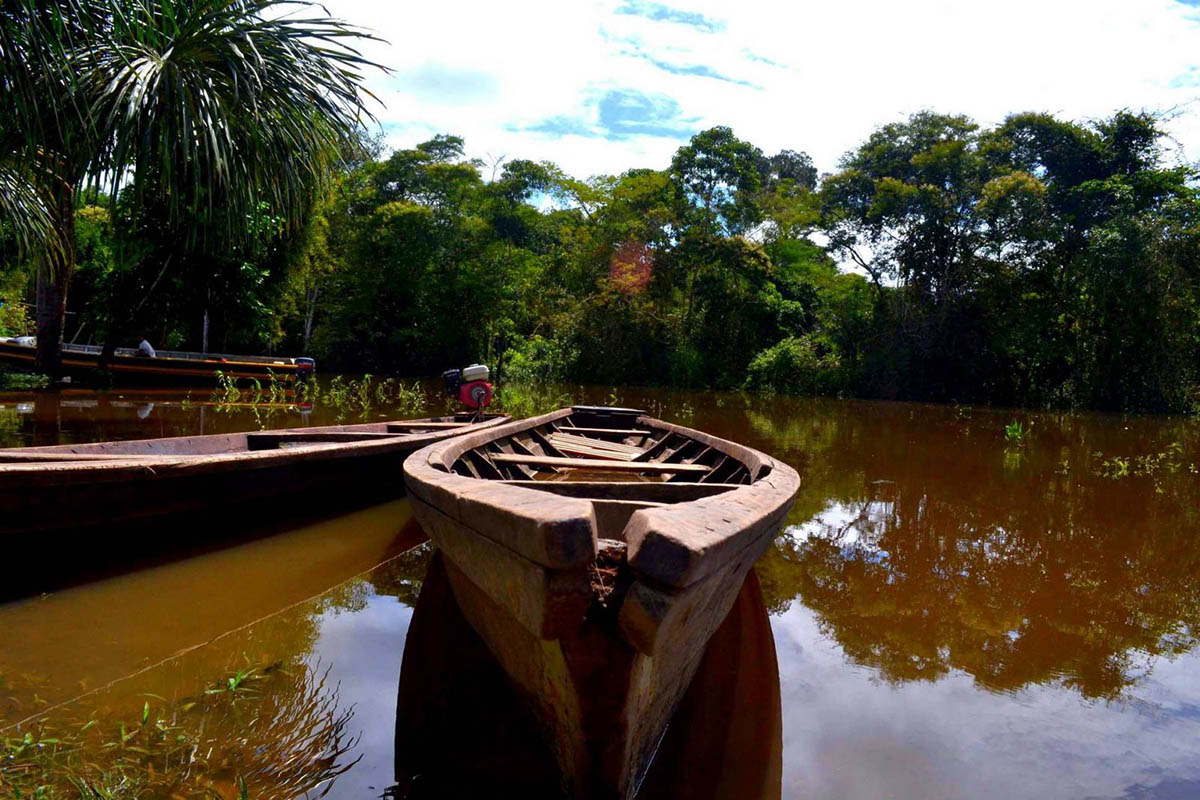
x,y
950,612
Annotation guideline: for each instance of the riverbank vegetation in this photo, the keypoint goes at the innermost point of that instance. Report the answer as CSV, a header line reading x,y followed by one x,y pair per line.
x,y
1037,262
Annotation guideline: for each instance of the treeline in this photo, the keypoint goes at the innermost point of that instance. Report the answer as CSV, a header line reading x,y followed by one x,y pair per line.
x,y
1038,262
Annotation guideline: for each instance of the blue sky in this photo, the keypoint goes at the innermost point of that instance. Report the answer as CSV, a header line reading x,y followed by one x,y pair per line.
x,y
600,87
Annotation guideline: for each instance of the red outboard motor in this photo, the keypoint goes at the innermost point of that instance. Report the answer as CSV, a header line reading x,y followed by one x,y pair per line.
x,y
469,385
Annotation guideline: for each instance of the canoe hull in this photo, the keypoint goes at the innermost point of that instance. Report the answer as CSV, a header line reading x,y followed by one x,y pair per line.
x,y
73,488
603,677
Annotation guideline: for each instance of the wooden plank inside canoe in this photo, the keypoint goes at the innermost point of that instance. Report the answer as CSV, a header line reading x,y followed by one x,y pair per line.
x,y
599,444
570,448
592,447
656,491
607,431
409,425
269,439
598,464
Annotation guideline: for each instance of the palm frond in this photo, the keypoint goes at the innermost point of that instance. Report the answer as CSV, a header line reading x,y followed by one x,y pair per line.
x,y
25,213
206,108
225,102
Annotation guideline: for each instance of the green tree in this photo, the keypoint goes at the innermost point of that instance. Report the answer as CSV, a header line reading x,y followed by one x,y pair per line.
x,y
198,107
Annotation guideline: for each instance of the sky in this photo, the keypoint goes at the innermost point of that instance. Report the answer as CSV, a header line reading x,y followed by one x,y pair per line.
x,y
603,86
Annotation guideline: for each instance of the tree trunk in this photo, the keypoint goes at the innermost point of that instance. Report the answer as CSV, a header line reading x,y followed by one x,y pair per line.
x,y
204,333
310,312
53,280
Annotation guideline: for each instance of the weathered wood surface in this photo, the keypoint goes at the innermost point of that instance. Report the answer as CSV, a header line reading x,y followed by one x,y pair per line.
x,y
680,544
591,447
649,491
607,431
17,457
418,425
547,603
267,439
599,464
548,530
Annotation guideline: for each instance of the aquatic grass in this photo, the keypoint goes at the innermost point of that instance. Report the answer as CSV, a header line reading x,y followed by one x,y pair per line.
x,y
22,381
1015,432
227,388
1159,467
292,738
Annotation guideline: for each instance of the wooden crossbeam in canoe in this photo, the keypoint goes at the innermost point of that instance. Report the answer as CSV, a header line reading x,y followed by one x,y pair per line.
x,y
571,448
597,464
603,443
579,446
606,431
409,425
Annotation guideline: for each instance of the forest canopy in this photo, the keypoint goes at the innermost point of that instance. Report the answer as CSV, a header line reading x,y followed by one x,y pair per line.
x,y
1039,262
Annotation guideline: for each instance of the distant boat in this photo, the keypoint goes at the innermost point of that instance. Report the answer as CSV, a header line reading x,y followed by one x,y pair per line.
x,y
65,487
168,366
595,551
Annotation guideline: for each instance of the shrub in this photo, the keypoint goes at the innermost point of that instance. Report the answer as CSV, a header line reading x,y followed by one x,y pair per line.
x,y
539,360
796,365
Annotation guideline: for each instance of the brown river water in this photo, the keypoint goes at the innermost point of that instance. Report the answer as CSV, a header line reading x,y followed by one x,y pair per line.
x,y
950,612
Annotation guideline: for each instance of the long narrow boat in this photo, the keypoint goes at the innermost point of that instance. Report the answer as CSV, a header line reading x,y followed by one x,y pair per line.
x,y
168,366
596,550
65,487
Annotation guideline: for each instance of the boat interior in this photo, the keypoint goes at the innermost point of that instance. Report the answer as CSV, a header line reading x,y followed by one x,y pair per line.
x,y
611,445
617,458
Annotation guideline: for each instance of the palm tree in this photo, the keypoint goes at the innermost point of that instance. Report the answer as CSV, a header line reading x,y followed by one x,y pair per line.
x,y
203,108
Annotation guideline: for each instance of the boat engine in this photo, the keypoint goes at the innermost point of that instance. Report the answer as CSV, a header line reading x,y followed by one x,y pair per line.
x,y
469,385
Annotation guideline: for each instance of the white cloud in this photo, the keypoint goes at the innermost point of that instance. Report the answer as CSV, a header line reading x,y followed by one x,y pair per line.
x,y
822,75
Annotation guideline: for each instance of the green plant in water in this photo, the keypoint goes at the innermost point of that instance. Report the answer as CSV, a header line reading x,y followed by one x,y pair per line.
x,y
294,741
227,390
1014,432
19,381
1169,461
363,392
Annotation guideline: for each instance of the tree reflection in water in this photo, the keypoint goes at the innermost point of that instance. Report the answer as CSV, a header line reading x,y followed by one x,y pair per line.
x,y
924,544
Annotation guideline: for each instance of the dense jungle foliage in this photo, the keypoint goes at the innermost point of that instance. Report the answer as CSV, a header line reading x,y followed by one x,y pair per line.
x,y
1038,262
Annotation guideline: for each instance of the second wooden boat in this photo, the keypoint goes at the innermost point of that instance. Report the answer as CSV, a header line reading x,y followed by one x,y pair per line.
x,y
596,550
174,367
66,487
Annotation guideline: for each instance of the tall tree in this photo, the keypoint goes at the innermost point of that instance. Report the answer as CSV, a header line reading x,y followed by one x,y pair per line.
x,y
206,110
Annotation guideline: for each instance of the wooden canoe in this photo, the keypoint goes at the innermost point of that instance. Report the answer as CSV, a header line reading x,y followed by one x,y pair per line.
x,y
65,487
595,551
168,367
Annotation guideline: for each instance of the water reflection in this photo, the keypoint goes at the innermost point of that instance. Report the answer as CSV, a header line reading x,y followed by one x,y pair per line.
x,y
120,626
462,730
69,416
955,616
923,552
